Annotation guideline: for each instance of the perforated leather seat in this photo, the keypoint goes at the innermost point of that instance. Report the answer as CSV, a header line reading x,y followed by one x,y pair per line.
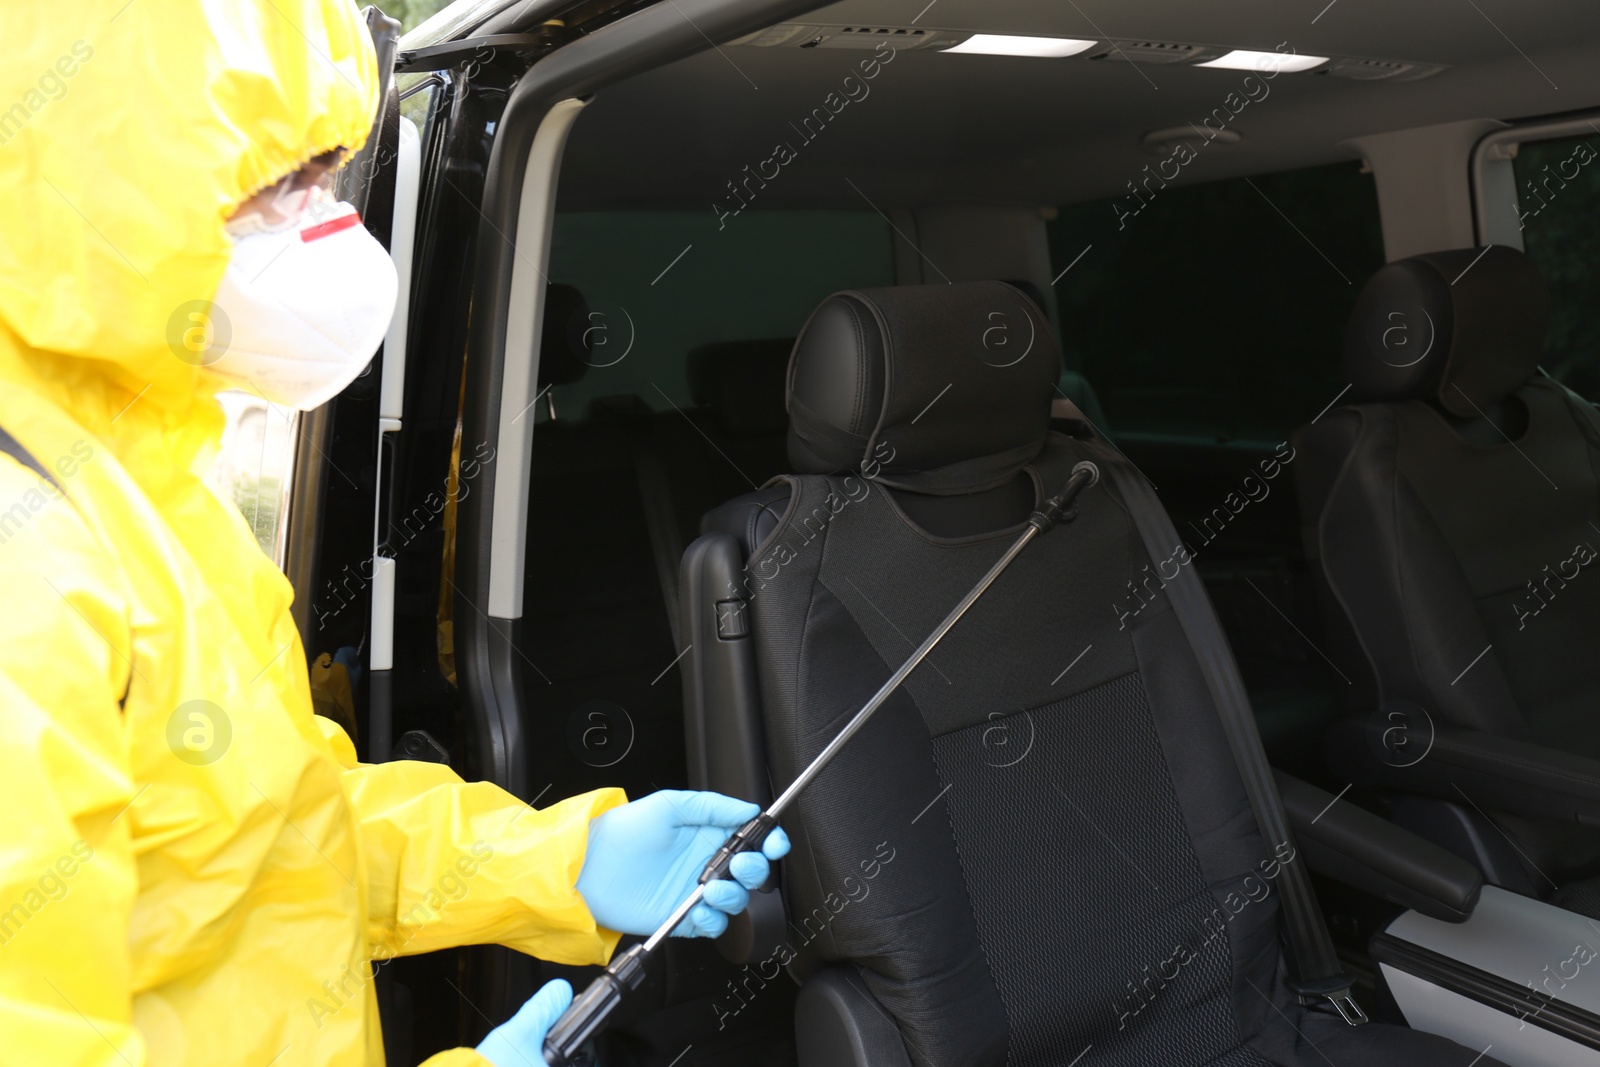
x,y
1039,851
1454,505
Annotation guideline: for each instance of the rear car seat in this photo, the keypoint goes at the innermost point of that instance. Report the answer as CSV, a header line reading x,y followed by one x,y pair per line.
x,y
1453,507
617,492
593,633
738,386
1041,846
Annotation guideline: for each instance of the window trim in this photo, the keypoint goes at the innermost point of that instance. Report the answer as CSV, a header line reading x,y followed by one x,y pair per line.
x,y
1492,173
508,522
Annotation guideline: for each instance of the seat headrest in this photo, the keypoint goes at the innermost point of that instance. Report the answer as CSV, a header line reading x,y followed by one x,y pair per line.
x,y
1465,327
563,348
933,388
742,383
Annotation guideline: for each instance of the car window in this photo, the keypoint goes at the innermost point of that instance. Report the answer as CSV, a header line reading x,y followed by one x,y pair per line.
x,y
658,283
1558,205
252,469
413,13
1215,310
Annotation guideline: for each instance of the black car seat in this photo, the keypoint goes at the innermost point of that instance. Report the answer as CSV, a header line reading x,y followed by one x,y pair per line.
x,y
594,631
1454,506
1040,851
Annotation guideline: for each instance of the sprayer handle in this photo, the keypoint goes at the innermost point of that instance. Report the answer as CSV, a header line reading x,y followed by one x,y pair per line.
x,y
568,1042
747,838
1083,475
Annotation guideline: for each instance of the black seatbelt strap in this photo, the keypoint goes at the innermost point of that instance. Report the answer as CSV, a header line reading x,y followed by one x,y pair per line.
x,y
10,446
1588,417
1314,966
660,517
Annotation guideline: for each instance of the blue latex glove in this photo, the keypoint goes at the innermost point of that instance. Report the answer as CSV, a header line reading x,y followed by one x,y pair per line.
x,y
520,1042
645,858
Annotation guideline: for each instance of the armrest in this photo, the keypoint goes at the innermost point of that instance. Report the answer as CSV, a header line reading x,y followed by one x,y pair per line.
x,y
1356,847
721,695
1493,772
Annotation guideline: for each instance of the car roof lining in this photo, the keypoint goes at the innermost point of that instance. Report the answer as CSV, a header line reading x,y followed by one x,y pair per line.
x,y
942,128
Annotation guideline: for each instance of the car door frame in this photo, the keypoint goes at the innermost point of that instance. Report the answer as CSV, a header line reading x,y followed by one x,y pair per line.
x,y
514,231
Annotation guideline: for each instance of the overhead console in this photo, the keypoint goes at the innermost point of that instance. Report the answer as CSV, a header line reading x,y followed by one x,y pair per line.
x,y
1116,50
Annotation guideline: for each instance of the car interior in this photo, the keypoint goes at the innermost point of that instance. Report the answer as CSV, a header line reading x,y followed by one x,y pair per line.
x,y
1283,747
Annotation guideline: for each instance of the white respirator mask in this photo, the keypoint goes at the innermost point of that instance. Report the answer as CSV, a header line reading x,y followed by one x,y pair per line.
x,y
305,301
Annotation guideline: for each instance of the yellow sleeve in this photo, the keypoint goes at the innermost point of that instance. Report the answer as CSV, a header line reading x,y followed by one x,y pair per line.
x,y
67,877
456,1057
464,863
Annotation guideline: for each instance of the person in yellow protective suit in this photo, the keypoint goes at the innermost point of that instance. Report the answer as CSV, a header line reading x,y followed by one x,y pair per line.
x,y
194,868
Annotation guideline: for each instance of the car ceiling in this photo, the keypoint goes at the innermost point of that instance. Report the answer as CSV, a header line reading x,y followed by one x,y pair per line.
x,y
950,128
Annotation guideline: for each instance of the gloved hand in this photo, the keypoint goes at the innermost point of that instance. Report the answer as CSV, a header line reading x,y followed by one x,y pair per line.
x,y
645,858
520,1041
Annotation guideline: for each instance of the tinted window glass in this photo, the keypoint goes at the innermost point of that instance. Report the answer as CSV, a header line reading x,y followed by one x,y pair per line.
x,y
1216,310
663,282
1558,200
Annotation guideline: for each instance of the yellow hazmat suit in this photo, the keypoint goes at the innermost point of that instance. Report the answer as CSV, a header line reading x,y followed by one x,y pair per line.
x,y
194,869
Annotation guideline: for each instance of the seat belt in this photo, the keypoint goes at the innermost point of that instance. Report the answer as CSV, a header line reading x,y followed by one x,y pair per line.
x,y
1588,417
1314,965
660,517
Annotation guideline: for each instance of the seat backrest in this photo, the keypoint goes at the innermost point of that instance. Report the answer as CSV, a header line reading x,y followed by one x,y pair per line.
x,y
1040,842
1452,503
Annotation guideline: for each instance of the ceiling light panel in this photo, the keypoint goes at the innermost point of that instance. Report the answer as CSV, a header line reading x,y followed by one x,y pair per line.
x,y
1263,62
999,44
1132,50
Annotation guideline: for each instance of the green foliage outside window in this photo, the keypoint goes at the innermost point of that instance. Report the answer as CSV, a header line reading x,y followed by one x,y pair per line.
x,y
1558,196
